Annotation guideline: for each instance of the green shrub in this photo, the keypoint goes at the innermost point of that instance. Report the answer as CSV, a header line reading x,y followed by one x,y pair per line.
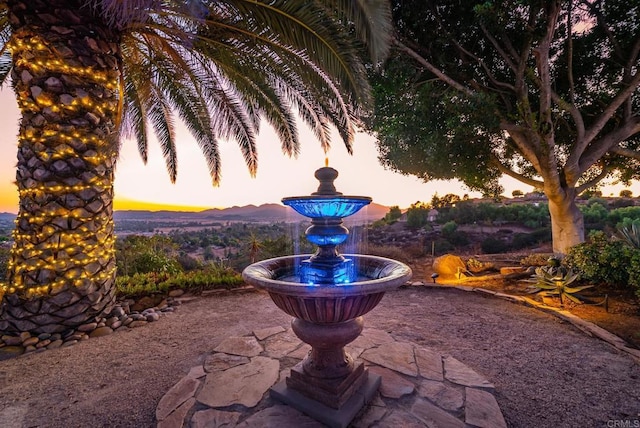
x,y
634,271
393,215
617,216
601,260
388,251
523,240
456,237
595,212
538,259
542,235
449,228
417,215
188,263
4,260
212,277
493,245
443,246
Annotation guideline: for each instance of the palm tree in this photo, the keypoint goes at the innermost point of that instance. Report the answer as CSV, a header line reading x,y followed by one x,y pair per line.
x,y
255,246
89,73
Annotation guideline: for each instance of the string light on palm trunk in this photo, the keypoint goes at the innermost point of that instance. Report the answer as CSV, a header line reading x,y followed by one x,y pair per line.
x,y
58,244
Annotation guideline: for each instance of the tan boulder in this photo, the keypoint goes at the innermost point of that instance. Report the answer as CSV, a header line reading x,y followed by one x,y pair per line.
x,y
449,266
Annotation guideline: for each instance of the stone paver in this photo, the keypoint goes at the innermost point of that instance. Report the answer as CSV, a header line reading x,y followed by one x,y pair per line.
x,y
482,410
176,418
213,418
280,416
178,394
280,345
429,364
444,396
420,386
433,416
244,384
457,372
243,346
397,356
263,333
393,385
221,361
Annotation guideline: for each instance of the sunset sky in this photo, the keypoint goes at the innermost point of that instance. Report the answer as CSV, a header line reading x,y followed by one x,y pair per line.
x,y
139,186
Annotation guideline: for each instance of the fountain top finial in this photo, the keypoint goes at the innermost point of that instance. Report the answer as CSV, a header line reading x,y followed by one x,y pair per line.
x,y
326,175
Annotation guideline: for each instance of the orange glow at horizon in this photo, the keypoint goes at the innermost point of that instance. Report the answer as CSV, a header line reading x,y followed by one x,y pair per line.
x,y
121,204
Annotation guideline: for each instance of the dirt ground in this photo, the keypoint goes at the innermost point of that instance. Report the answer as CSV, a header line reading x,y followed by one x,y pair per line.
x,y
546,372
620,314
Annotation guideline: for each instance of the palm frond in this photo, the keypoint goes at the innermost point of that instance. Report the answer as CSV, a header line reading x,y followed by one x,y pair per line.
x,y
121,13
134,122
160,115
225,68
232,121
6,62
307,29
372,21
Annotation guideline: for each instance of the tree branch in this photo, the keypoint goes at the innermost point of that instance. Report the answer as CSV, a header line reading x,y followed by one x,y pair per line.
x,y
524,54
501,51
523,143
426,64
572,94
631,63
584,186
607,30
511,173
608,112
626,152
545,120
607,142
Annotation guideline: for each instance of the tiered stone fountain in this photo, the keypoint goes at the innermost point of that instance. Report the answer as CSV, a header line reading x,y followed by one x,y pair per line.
x,y
327,293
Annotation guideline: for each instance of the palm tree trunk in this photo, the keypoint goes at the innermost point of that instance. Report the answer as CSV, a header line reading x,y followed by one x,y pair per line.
x,y
62,266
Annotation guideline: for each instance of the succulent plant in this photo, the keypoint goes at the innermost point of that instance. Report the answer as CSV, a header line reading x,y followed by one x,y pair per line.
x,y
556,281
630,235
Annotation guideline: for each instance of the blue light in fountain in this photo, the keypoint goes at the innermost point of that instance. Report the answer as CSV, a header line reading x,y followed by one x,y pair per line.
x,y
326,208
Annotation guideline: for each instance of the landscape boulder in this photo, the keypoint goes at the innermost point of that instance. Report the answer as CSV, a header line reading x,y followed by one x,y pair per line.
x,y
449,266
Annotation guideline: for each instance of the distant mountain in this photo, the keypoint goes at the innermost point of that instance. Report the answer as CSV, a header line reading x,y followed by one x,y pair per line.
x,y
7,217
247,212
265,212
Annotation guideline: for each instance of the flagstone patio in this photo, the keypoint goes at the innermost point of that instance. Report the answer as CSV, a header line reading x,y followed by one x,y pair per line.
x,y
420,387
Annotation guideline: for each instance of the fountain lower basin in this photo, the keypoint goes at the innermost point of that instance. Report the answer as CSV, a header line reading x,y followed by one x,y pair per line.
x,y
327,303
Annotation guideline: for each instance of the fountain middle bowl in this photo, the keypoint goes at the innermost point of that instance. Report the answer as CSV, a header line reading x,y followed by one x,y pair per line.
x,y
327,303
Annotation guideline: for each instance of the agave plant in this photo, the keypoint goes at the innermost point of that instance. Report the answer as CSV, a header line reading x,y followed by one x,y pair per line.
x,y
556,281
630,235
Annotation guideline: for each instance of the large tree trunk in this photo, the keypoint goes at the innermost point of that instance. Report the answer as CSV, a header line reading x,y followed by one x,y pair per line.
x,y
62,266
567,223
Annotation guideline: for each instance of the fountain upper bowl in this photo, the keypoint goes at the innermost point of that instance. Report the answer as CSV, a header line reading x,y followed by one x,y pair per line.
x,y
327,206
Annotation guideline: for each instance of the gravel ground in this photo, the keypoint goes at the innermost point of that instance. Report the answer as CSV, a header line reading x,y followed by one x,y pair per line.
x,y
546,372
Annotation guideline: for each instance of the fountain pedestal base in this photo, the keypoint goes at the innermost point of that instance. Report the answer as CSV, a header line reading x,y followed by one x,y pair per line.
x,y
332,417
328,384
330,392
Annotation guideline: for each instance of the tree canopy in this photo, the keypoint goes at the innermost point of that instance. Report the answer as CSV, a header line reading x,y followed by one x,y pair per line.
x,y
543,91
